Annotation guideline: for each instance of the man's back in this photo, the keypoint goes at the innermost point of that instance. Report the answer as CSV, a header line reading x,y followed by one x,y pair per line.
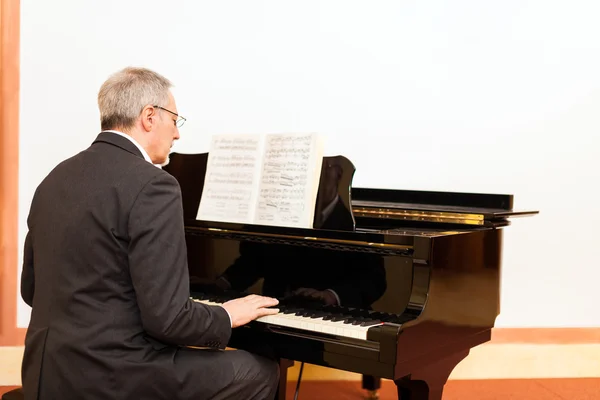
x,y
105,271
98,311
84,296
79,228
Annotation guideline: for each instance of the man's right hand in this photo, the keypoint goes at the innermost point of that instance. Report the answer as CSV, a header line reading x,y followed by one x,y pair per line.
x,y
246,309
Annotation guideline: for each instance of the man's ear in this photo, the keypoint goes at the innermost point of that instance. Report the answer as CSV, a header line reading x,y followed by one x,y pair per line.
x,y
149,118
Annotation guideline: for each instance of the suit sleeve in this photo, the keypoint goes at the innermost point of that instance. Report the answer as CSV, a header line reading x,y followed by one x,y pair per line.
x,y
159,271
27,275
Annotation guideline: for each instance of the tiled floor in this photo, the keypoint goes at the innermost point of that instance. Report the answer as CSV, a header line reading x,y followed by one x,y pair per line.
x,y
513,389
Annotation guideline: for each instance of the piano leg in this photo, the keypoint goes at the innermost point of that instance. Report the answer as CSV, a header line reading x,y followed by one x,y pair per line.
x,y
428,382
371,384
284,364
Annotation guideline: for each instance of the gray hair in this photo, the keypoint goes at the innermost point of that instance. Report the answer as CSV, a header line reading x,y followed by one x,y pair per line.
x,y
125,93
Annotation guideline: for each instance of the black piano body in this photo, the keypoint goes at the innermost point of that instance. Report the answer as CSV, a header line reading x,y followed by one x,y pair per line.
x,y
416,274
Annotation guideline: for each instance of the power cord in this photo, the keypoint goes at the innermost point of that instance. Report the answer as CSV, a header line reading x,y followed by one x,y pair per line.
x,y
298,383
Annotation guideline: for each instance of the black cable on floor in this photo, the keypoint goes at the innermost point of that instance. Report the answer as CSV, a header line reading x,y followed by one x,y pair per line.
x,y
298,383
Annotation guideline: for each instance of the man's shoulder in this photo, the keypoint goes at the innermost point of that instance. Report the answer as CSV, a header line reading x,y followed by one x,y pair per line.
x,y
119,168
144,173
150,174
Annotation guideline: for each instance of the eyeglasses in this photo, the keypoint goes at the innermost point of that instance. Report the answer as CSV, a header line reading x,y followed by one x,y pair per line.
x,y
179,121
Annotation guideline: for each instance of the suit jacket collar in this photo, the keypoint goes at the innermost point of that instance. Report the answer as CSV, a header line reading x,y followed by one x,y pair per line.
x,y
121,142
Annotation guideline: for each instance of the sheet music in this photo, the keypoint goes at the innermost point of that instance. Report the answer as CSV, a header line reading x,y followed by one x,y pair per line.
x,y
231,178
289,180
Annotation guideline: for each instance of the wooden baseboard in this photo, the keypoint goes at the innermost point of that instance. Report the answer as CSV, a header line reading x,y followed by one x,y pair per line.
x,y
589,335
10,367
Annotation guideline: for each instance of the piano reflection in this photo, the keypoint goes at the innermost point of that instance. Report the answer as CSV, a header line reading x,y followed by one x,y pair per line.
x,y
390,284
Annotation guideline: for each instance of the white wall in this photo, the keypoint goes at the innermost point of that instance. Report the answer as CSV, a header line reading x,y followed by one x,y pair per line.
x,y
475,96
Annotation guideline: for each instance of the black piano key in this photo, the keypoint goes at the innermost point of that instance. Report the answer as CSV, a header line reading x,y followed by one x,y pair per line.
x,y
354,320
378,314
370,322
302,313
318,314
311,314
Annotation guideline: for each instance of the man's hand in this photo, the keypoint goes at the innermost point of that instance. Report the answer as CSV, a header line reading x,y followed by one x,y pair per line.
x,y
249,308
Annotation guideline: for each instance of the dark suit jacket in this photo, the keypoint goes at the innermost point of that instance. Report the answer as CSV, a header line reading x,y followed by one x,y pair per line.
x,y
105,271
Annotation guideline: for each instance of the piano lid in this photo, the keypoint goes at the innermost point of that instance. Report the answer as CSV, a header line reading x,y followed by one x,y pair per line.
x,y
435,207
372,220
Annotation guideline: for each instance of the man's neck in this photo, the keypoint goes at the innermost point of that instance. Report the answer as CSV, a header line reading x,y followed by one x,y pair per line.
x,y
137,144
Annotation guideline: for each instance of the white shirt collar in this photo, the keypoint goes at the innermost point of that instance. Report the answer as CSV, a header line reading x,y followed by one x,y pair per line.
x,y
132,140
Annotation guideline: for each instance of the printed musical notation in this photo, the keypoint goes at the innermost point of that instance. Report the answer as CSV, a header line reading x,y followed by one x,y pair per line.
x,y
262,179
230,179
284,183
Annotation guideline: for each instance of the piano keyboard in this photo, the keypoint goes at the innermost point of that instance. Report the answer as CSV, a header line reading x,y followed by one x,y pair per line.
x,y
355,328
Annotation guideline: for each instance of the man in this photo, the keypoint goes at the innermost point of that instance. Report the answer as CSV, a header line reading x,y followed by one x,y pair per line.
x,y
105,271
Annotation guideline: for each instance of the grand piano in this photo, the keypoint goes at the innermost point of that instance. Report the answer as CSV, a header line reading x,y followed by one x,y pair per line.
x,y
392,284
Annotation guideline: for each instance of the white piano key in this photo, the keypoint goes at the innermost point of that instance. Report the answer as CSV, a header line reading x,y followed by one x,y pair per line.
x,y
320,325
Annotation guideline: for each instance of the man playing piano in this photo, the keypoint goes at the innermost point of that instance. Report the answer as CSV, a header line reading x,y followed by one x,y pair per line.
x,y
105,271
